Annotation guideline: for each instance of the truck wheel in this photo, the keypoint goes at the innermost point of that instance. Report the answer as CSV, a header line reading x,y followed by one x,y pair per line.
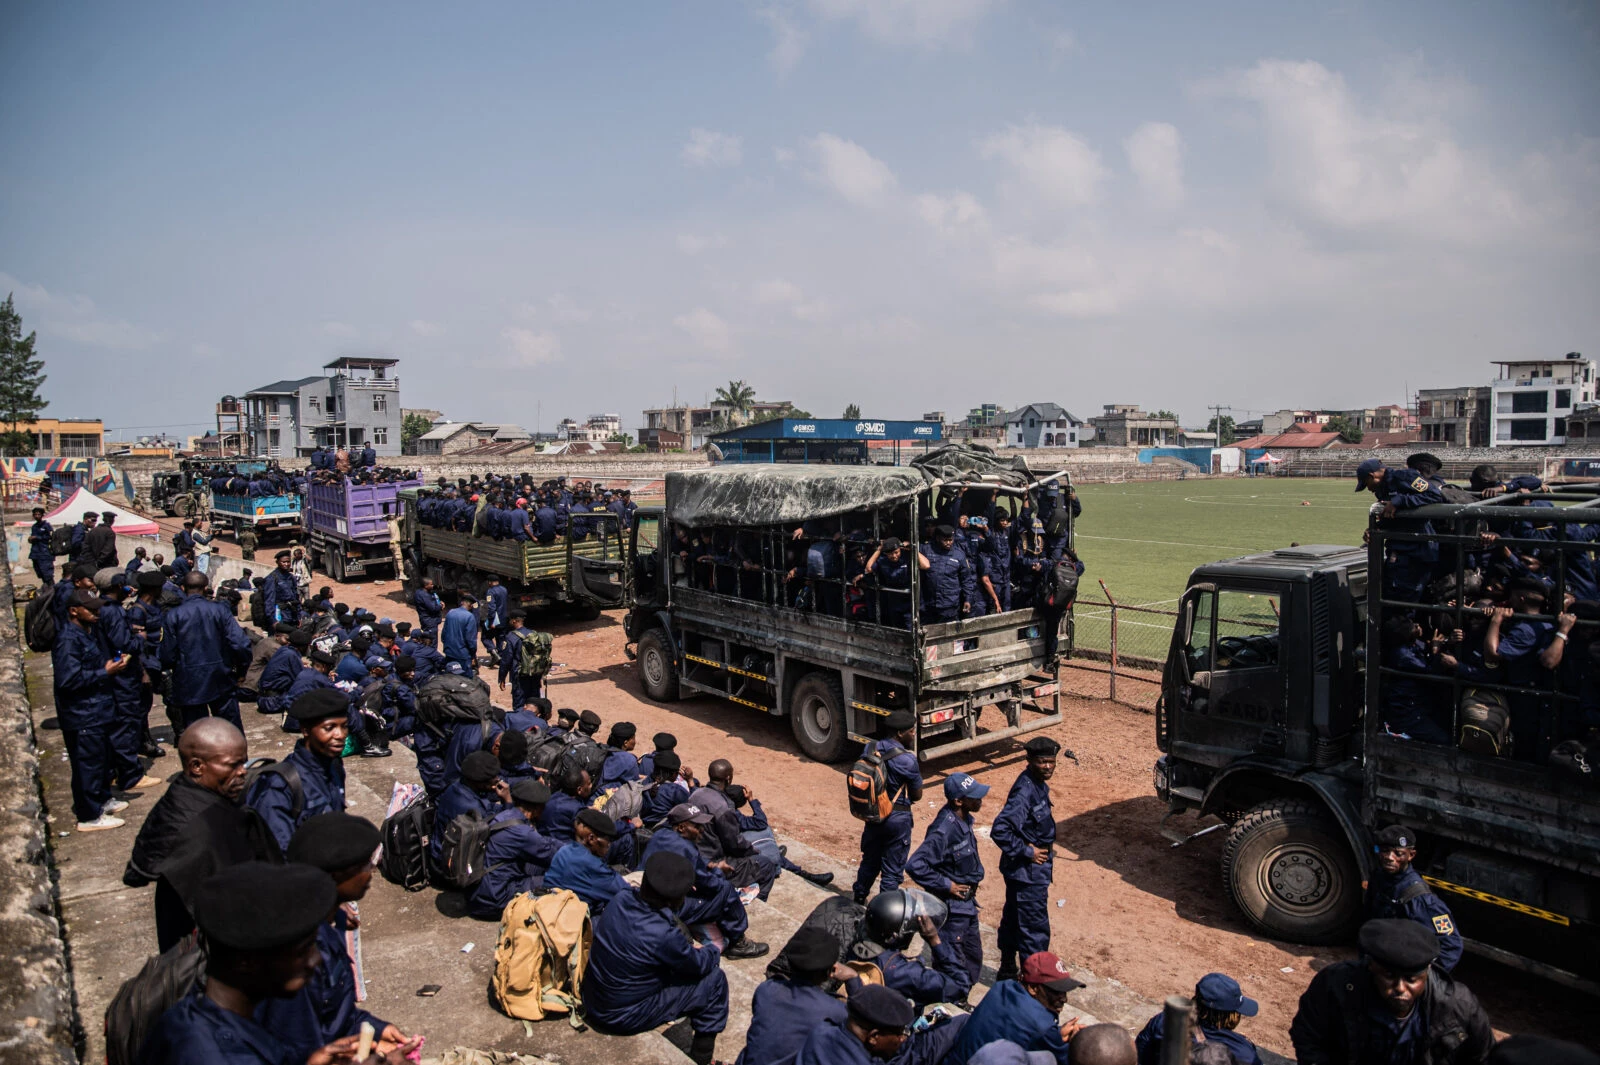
x,y
816,713
1289,868
336,566
584,610
658,670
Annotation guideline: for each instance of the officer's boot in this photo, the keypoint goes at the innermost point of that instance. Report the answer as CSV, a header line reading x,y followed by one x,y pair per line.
x,y
745,947
1008,968
702,1047
366,748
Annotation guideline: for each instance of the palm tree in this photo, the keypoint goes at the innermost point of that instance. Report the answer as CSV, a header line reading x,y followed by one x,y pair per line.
x,y
737,397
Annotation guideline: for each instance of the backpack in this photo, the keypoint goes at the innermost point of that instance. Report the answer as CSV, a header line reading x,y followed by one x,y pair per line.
x,y
1485,723
534,653
258,610
39,621
465,848
837,916
1061,587
163,982
544,749
622,801
541,955
405,844
61,540
578,752
868,787
291,777
446,698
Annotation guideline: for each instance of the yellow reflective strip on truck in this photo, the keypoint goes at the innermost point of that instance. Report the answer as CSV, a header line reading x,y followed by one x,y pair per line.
x,y
1496,900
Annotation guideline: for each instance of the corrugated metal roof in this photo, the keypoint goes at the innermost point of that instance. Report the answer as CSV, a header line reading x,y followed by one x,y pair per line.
x,y
284,387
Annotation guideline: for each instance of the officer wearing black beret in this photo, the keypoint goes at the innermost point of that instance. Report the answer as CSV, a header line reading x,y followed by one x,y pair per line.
x,y
588,722
791,1004
886,844
875,1027
1398,890
1391,1006
1025,832
310,781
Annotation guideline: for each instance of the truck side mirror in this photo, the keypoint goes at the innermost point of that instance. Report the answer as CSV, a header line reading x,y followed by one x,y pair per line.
x,y
1201,680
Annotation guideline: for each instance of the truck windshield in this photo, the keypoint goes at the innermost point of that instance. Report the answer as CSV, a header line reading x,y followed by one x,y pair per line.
x,y
1233,629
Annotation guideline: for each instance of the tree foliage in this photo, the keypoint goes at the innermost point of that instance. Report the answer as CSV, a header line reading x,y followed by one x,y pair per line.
x,y
1344,427
737,397
21,377
851,412
1224,428
1166,414
411,427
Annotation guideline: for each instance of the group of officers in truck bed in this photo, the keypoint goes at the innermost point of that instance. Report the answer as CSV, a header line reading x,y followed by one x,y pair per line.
x,y
261,870
513,508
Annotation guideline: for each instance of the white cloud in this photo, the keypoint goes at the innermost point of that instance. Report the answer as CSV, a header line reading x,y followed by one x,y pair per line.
x,y
528,348
787,294
1052,164
924,23
784,157
954,214
73,317
564,309
788,40
425,328
708,148
1155,155
695,243
851,171
706,329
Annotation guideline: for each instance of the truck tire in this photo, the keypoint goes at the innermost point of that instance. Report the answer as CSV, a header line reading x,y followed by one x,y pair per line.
x,y
1290,870
658,669
336,565
816,714
586,610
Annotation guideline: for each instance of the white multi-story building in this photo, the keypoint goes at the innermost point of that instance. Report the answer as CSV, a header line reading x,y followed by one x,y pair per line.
x,y
1530,400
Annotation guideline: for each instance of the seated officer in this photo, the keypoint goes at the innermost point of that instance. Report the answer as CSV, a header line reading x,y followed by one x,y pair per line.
x,y
620,764
341,845
665,790
889,932
785,1010
312,781
259,924
874,1027
511,748
712,898
570,794
1026,1012
1219,1004
517,856
1397,890
581,867
1390,1005
479,790
645,971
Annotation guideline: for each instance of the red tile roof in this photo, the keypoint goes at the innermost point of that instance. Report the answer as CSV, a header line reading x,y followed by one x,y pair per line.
x,y
1296,438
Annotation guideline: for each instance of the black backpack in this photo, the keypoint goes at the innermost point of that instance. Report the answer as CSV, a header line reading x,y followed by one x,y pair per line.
x,y
445,699
839,917
578,752
1061,586
405,844
291,777
163,982
39,620
258,610
464,851
544,749
61,540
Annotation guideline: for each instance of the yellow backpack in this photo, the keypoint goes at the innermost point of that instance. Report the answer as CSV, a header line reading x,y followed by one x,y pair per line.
x,y
540,957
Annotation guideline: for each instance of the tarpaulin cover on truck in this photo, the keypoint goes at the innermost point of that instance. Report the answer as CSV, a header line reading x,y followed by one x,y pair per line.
x,y
781,494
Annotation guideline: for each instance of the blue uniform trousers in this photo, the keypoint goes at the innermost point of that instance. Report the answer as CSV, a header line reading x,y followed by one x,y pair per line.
x,y
1025,920
722,909
89,751
961,932
227,708
705,1004
884,848
46,569
125,736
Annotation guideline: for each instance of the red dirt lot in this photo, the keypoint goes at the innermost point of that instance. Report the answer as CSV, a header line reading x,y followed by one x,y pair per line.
x,y
1131,907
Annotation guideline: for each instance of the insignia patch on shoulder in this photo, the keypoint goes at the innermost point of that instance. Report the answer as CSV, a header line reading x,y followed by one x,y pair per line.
x,y
1443,925
1419,485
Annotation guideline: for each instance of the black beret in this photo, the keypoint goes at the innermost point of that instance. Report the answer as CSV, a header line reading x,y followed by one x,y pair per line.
x,y
85,598
384,628
150,580
600,824
259,906
1540,1050
319,703
532,792
875,1006
566,713
944,530
84,572
1042,747
319,655
900,720
1397,836
624,730
280,554
479,767
513,747
668,760
1399,944
334,841
669,875
811,950
589,717
516,612
664,741
300,638
404,663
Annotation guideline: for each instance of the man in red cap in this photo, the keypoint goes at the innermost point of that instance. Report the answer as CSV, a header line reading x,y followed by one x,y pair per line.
x,y
1025,1012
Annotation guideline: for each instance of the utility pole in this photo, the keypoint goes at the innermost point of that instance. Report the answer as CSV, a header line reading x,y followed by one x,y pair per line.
x,y
1217,409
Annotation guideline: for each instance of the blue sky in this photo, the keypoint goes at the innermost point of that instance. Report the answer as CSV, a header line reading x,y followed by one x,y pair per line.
x,y
549,210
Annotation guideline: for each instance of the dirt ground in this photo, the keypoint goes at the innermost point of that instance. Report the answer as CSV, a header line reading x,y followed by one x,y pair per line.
x,y
1128,906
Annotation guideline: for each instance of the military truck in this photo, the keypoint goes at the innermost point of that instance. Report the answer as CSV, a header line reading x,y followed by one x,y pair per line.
x,y
169,493
719,609
347,525
1271,719
587,575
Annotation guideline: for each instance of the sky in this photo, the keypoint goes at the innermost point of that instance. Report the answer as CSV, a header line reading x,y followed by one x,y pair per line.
x,y
548,210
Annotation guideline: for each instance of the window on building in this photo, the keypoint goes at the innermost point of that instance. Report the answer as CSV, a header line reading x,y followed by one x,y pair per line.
x,y
380,435
314,403
1528,429
1019,438
1560,427
380,403
1563,398
1530,402
1072,437
358,437
43,441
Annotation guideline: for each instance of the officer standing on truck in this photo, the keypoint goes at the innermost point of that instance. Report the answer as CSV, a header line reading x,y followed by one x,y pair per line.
x,y
951,584
886,844
1025,832
1398,890
1409,565
394,521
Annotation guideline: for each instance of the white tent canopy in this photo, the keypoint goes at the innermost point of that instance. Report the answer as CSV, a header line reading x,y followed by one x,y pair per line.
x,y
82,500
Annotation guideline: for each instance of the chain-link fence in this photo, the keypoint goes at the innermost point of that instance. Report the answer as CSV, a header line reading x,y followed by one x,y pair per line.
x,y
1118,649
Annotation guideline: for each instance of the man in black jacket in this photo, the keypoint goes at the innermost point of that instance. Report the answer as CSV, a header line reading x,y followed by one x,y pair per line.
x,y
1390,1006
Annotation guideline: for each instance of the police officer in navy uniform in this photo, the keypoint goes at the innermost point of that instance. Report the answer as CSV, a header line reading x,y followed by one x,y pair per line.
x,y
85,669
710,898
890,568
886,844
1390,1006
1398,890
316,763
947,865
280,592
785,1010
1025,832
1219,1004
39,553
206,651
949,583
1410,563
874,1028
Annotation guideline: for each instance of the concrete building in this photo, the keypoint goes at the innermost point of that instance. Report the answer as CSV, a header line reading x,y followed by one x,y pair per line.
x,y
355,404
1041,425
985,414
596,429
1531,399
450,438
1389,418
688,428
1125,425
64,438
1458,416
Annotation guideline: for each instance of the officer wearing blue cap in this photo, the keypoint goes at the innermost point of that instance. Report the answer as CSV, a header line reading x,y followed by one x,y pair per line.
x,y
1219,1005
947,865
1398,890
1410,564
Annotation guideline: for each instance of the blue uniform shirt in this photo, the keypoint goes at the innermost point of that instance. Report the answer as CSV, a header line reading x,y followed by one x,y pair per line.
x,y
947,981
559,817
1026,824
514,861
83,688
429,609
949,852
660,800
707,881
324,1009
460,636
902,768
833,1044
619,766
1426,908
783,1014
466,737
1009,1012
277,677
203,637
197,1031
495,605
39,542
949,580
1148,1043
321,786
586,875
454,801
638,951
